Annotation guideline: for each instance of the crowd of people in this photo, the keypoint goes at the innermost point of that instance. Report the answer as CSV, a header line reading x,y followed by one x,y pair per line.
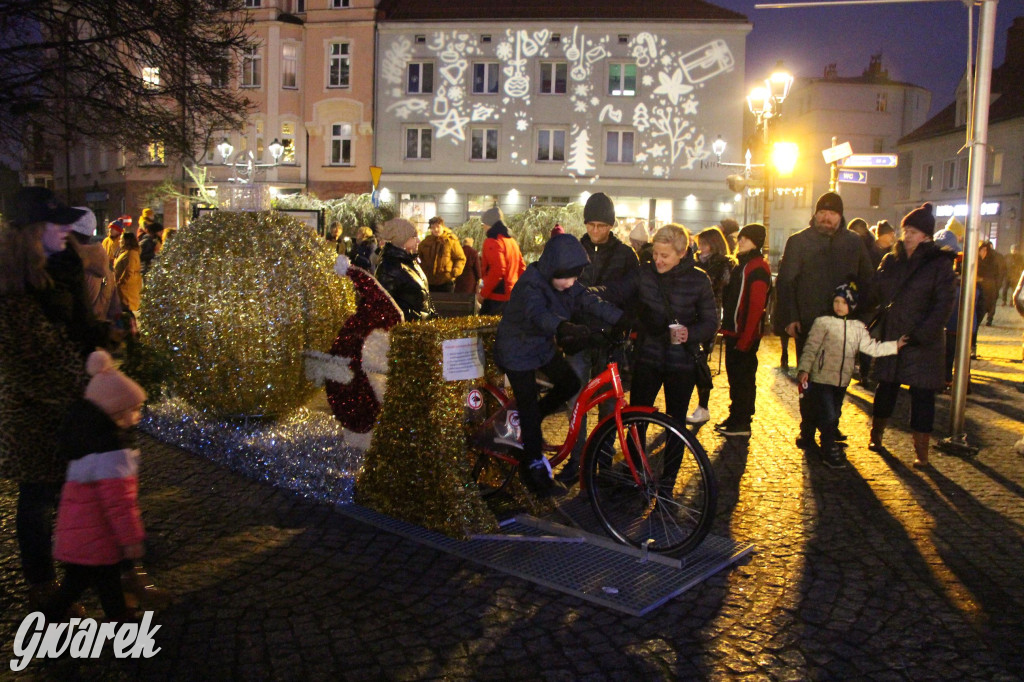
x,y
845,293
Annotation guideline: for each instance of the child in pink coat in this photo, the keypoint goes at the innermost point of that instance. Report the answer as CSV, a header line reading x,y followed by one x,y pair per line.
x,y
98,519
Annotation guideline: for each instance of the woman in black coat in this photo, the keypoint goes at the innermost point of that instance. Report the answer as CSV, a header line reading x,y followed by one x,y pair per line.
x,y
671,290
400,273
916,282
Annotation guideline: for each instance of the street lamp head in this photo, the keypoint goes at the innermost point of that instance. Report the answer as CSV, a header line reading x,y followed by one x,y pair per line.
x,y
759,102
225,150
276,150
779,84
718,147
784,157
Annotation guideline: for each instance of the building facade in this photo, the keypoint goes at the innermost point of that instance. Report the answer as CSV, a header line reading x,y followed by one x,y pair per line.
x,y
498,104
871,112
934,160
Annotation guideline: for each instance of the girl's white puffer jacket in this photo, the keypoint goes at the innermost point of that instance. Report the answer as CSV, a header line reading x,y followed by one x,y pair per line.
x,y
830,353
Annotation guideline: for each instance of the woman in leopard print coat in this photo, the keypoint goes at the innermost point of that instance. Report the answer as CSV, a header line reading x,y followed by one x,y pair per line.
x,y
42,371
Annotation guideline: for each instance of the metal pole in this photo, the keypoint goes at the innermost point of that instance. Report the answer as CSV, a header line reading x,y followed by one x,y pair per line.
x,y
957,440
833,174
769,190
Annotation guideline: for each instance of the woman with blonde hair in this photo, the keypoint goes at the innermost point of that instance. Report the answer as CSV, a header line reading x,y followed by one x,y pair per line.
x,y
715,258
673,309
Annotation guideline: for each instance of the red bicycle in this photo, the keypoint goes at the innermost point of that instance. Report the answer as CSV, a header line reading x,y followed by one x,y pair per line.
x,y
648,478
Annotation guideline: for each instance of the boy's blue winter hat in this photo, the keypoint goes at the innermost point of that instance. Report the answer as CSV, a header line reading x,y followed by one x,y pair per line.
x,y
946,240
847,291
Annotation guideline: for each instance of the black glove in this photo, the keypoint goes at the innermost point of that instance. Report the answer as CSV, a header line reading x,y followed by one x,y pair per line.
x,y
572,338
622,327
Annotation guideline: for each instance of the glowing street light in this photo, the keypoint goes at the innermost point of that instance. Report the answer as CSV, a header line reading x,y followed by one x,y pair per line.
x,y
765,103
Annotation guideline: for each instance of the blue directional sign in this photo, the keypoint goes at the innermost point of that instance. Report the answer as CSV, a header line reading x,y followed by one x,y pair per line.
x,y
871,161
858,176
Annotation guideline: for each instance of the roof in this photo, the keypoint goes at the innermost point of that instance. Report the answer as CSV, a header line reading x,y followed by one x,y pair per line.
x,y
574,10
1007,102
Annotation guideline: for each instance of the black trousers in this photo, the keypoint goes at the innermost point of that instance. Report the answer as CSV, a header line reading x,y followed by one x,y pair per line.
x,y
741,368
648,380
78,578
532,408
446,288
922,405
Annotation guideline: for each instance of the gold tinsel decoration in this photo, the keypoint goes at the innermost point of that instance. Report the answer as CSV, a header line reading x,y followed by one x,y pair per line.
x,y
233,301
416,468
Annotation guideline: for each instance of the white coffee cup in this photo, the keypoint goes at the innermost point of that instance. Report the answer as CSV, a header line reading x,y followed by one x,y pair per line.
x,y
673,330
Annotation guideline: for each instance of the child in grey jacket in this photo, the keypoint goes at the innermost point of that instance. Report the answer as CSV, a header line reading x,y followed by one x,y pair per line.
x,y
828,359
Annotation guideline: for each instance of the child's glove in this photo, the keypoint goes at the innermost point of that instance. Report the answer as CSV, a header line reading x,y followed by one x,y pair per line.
x,y
572,338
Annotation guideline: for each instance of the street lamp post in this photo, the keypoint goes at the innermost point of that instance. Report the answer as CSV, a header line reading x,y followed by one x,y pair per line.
x,y
765,103
245,171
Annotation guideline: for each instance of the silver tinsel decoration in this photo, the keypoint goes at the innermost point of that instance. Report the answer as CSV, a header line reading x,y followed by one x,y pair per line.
x,y
304,452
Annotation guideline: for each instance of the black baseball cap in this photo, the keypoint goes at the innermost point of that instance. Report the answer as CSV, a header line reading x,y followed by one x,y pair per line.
x,y
40,205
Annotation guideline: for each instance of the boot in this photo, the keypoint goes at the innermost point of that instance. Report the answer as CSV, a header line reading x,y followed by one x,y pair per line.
x,y
921,443
877,429
42,595
141,593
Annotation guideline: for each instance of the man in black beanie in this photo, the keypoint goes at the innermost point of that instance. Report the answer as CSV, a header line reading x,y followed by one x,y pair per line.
x,y
611,263
816,260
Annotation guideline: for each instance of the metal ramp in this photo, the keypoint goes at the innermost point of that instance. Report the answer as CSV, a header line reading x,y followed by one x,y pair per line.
x,y
574,561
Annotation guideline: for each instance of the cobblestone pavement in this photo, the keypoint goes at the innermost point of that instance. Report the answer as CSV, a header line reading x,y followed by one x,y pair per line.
x,y
875,571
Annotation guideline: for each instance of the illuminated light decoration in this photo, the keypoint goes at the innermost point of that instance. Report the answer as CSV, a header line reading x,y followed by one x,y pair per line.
x,y
784,156
450,193
663,83
960,210
385,194
690,202
233,302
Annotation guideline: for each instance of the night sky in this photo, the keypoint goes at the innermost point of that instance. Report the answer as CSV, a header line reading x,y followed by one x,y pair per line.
x,y
921,43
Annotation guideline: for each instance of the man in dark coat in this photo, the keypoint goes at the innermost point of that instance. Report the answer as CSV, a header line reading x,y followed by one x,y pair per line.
x,y
611,263
816,260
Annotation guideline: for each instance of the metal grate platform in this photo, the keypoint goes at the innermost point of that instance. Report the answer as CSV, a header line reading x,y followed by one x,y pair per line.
x,y
573,561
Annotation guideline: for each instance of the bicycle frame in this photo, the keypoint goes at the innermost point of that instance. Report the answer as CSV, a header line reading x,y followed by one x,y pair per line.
x,y
590,396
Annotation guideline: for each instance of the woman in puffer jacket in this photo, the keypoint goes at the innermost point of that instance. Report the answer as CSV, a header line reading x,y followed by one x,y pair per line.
x,y
829,357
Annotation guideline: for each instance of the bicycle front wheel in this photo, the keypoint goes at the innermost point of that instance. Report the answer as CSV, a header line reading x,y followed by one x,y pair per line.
x,y
669,504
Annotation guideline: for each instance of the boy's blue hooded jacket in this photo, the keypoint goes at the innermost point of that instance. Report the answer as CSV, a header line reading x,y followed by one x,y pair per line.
x,y
526,333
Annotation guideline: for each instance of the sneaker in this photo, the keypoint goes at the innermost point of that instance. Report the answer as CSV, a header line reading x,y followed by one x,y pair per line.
x,y
536,476
834,458
698,416
736,430
570,472
840,436
722,425
805,442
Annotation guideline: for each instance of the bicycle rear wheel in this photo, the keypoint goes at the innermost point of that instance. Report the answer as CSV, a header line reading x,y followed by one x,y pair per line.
x,y
671,508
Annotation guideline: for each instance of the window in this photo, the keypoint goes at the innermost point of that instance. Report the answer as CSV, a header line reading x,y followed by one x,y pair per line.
x,y
621,79
220,69
550,145
155,153
485,78
151,77
417,143
252,67
619,147
949,175
252,3
927,177
962,167
339,66
289,65
553,77
995,169
421,78
881,102
299,6
476,204
341,144
876,197
484,144
288,142
339,4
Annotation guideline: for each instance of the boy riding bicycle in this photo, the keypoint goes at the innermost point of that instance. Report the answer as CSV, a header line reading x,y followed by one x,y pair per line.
x,y
537,314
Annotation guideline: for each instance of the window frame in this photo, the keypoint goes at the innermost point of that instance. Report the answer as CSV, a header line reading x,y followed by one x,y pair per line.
x,y
340,4
621,133
341,138
421,63
553,66
488,67
344,58
252,69
486,133
551,131
420,130
621,92
293,61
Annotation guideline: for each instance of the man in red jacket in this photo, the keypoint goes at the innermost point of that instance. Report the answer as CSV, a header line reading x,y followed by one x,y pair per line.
x,y
743,304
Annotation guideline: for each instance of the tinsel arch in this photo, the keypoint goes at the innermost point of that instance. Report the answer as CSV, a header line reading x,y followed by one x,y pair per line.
x,y
233,301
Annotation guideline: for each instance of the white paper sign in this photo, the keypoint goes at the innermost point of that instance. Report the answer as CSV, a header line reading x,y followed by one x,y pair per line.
x,y
463,359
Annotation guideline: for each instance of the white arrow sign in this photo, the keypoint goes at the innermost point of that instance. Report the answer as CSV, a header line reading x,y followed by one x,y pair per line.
x,y
840,151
